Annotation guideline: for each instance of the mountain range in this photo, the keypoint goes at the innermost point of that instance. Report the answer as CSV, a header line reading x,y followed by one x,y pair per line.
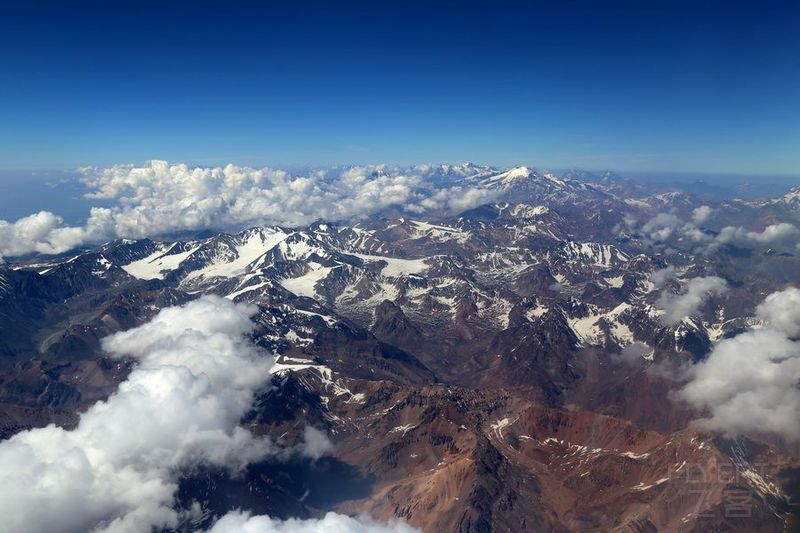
x,y
512,366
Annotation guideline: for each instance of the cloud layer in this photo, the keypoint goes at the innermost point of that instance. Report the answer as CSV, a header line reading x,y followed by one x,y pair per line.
x,y
160,198
750,382
665,226
773,235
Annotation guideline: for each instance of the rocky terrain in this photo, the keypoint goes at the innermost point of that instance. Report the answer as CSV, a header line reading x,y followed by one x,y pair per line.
x,y
509,367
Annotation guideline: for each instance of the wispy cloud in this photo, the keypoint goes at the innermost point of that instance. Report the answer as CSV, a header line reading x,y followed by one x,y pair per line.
x,y
687,302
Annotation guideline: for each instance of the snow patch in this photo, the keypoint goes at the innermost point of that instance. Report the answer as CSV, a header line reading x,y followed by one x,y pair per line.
x,y
156,265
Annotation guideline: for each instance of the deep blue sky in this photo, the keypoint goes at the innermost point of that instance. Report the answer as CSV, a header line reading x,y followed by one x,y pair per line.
x,y
638,85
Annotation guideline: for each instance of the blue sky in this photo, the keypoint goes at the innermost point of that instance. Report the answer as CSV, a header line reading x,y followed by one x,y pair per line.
x,y
662,86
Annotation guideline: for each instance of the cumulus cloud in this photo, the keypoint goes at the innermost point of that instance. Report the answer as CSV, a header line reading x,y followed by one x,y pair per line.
x,y
701,214
194,378
239,522
662,226
751,382
676,307
160,197
44,233
665,226
774,234
455,199
781,310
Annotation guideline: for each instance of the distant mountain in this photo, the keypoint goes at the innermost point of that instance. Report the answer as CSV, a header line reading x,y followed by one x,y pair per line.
x,y
791,199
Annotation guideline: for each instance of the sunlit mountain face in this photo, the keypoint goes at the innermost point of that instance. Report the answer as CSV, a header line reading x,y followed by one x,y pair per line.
x,y
441,348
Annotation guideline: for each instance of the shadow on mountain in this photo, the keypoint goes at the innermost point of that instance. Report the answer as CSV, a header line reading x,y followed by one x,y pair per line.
x,y
298,488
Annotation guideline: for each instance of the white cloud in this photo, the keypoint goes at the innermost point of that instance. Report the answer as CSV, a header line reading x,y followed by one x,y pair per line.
x,y
701,214
750,382
458,199
774,234
160,197
195,377
31,231
238,522
695,234
662,226
315,443
661,277
632,353
676,307
781,310
44,233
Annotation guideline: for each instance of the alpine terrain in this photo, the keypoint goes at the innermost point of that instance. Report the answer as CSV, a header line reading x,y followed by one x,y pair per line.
x,y
556,357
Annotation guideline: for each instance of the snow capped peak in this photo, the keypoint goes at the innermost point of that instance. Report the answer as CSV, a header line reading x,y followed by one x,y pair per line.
x,y
527,179
509,178
529,211
519,172
792,197
300,246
